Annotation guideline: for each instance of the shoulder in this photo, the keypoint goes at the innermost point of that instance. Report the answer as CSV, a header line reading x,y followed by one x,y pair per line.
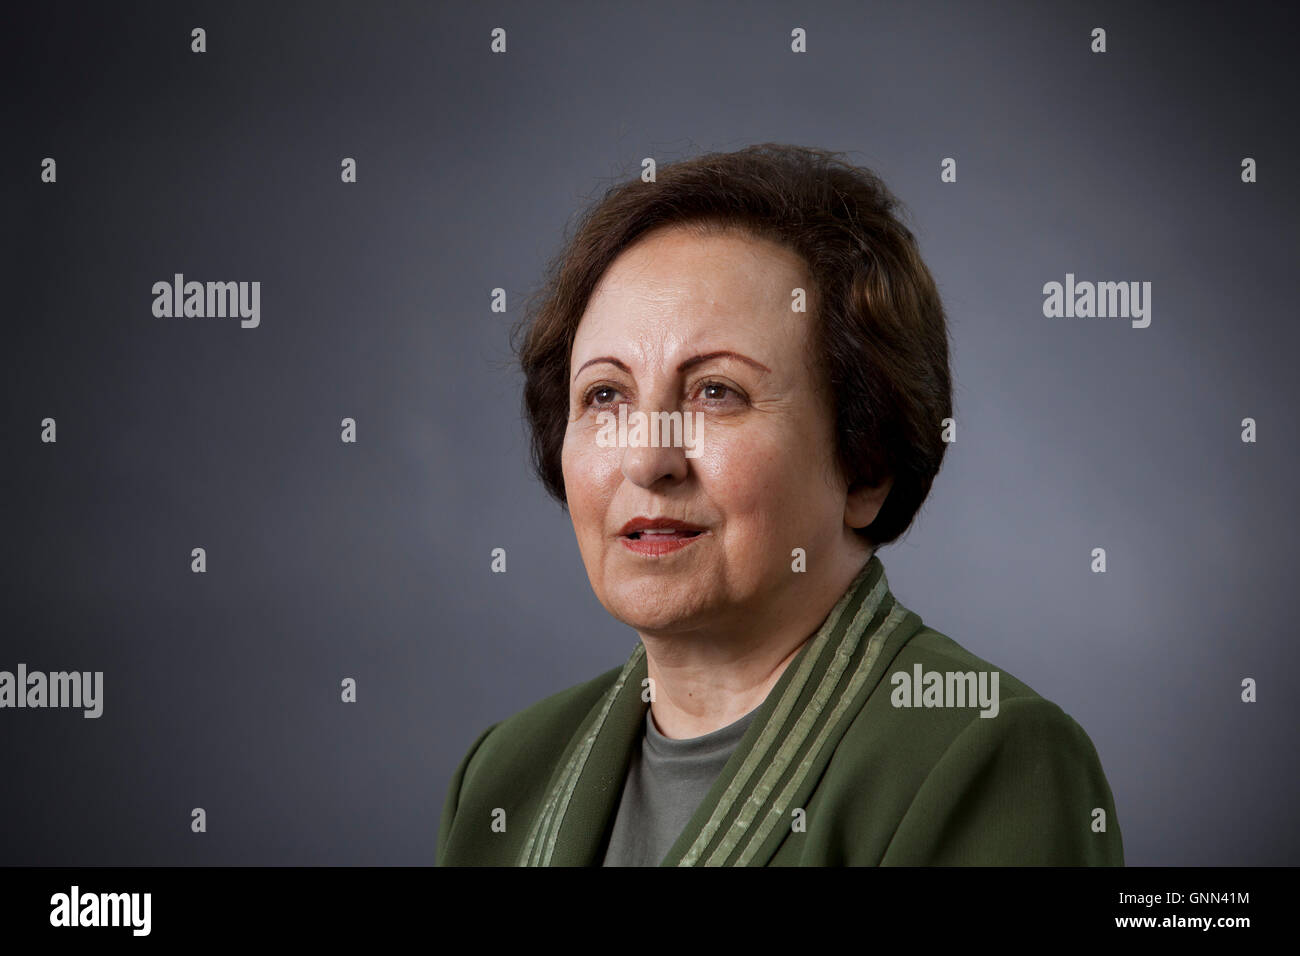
x,y
516,756
936,697
538,734
939,652
1009,764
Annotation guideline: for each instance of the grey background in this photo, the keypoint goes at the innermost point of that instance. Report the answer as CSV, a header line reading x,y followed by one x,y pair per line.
x,y
372,560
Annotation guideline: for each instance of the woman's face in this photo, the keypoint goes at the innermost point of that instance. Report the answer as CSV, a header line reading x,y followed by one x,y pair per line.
x,y
705,325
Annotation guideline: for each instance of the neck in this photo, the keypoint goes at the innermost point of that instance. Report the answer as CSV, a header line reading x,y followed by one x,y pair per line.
x,y
704,681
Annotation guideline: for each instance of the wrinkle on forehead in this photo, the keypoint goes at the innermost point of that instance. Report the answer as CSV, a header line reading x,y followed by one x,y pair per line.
x,y
677,306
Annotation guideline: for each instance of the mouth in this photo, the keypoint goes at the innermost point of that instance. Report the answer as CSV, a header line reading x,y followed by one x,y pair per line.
x,y
659,536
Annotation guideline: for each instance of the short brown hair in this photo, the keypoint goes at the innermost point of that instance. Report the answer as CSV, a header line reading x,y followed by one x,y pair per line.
x,y
880,334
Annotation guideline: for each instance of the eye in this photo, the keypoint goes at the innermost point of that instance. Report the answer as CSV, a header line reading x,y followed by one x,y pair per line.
x,y
714,390
599,390
719,393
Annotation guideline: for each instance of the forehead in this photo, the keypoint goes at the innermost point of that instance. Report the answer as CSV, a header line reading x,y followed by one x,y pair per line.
x,y
676,285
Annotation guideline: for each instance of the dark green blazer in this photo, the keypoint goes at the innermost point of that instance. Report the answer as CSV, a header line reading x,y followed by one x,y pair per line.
x,y
835,769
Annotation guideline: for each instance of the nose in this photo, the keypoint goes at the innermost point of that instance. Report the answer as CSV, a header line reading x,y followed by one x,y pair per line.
x,y
646,465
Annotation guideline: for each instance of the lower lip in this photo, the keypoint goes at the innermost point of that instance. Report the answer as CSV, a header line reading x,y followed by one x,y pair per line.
x,y
657,545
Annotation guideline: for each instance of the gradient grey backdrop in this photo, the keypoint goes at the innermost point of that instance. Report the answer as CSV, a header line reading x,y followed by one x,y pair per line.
x,y
371,560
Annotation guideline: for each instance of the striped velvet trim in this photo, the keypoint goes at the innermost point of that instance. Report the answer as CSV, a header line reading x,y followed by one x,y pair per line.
x,y
837,639
778,809
540,845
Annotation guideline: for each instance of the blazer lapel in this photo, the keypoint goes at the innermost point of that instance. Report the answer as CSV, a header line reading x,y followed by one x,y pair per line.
x,y
777,764
772,771
584,793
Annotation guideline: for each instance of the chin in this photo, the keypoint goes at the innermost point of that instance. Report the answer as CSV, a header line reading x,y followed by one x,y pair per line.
x,y
653,605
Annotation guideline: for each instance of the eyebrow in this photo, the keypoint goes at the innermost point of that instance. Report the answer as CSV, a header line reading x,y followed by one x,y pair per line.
x,y
688,364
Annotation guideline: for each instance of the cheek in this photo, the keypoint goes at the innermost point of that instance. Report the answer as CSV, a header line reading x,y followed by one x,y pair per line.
x,y
748,473
591,474
767,480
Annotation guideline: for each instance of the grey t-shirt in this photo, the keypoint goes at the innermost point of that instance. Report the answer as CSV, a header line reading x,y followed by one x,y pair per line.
x,y
666,782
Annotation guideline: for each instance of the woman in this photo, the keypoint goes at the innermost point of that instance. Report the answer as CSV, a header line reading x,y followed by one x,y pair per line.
x,y
770,312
